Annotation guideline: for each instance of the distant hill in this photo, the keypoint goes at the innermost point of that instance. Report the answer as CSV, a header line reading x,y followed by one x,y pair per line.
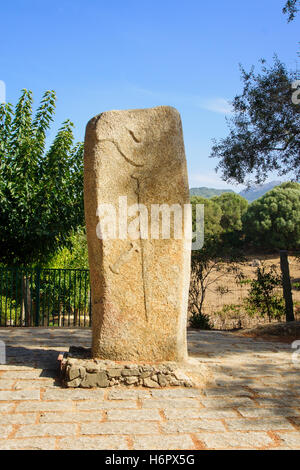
x,y
251,194
208,192
257,191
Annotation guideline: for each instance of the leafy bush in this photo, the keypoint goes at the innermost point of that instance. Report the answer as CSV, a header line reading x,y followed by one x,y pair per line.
x,y
200,321
262,298
231,311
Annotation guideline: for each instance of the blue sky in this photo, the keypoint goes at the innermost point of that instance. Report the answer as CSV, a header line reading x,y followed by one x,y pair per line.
x,y
99,55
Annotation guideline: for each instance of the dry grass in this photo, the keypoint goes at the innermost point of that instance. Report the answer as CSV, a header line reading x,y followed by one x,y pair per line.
x,y
228,291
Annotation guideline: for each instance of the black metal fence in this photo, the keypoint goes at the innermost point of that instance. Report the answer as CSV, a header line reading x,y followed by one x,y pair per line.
x,y
45,297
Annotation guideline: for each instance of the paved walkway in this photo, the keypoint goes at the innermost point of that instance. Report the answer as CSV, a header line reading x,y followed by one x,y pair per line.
x,y
253,404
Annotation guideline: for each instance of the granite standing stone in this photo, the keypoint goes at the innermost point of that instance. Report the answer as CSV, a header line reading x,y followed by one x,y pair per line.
x,y
139,287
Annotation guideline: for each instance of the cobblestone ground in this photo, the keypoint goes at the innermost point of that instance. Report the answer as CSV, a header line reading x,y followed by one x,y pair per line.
x,y
254,402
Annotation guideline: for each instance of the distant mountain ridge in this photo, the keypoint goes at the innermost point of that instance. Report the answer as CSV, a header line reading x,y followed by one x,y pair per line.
x,y
208,192
250,194
257,191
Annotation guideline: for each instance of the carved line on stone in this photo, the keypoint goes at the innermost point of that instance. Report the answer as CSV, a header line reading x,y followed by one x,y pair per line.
x,y
124,257
122,153
133,136
142,250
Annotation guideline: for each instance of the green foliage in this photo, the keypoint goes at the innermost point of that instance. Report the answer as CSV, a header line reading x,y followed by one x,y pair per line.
x,y
232,310
63,293
212,217
273,221
41,192
233,207
222,218
291,9
262,298
74,254
200,321
290,185
264,129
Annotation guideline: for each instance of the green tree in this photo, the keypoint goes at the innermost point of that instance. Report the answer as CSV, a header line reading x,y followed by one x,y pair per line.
x,y
212,216
41,191
289,185
264,131
74,254
233,208
273,221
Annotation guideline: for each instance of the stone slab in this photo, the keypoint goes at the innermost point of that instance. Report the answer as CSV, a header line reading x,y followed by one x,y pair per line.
x,y
139,284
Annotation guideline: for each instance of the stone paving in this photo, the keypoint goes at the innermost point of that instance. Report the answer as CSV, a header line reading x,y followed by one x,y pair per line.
x,y
254,402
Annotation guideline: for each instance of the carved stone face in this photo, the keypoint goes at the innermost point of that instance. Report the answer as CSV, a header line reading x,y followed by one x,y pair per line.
x,y
141,140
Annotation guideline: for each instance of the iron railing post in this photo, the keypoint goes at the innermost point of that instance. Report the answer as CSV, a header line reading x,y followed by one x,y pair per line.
x,y
37,296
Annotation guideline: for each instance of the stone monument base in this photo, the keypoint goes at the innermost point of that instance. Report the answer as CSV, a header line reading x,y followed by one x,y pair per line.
x,y
78,369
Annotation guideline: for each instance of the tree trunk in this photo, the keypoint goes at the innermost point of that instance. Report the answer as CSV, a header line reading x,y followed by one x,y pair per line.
x,y
287,287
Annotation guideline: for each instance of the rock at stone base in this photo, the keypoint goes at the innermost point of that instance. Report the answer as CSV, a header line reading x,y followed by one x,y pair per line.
x,y
75,383
131,380
98,379
76,372
113,373
150,383
164,380
87,373
129,372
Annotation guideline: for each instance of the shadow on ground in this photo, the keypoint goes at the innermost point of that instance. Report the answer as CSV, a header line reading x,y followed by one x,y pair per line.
x,y
245,371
